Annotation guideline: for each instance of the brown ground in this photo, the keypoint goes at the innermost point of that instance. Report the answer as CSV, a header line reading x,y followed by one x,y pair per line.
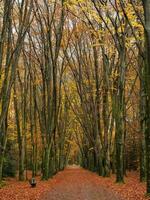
x,y
76,184
79,184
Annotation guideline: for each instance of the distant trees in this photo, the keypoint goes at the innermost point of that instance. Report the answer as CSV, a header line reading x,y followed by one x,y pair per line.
x,y
16,17
122,71
46,43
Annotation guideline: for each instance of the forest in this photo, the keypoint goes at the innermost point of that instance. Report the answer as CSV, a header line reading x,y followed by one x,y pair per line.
x,y
75,89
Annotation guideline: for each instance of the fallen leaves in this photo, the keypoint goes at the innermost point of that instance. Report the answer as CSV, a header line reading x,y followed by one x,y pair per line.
x,y
131,190
16,190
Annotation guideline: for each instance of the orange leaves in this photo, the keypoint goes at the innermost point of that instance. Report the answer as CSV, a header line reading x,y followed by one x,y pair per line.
x,y
131,190
76,181
22,191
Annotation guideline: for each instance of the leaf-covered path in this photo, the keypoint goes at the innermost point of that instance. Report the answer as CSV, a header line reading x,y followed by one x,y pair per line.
x,y
79,184
75,184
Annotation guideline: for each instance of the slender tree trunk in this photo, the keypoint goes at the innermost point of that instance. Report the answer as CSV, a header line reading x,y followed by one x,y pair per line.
x,y
21,139
3,143
105,116
146,5
142,125
46,169
120,120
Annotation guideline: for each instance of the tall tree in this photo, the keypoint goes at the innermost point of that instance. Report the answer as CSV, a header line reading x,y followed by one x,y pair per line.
x,y
11,44
146,6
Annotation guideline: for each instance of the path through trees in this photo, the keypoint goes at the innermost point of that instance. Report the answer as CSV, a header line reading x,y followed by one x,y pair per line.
x,y
79,184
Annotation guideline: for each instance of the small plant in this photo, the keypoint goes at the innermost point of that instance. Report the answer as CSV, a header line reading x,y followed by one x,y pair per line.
x,y
2,184
147,195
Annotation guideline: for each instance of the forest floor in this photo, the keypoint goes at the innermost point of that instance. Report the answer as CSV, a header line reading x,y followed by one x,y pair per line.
x,y
75,184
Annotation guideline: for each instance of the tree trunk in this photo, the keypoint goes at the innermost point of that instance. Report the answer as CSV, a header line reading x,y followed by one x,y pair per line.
x,y
146,5
3,143
21,138
142,125
120,119
46,169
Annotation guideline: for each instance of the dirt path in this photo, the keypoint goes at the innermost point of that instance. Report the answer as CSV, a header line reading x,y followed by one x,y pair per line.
x,y
78,184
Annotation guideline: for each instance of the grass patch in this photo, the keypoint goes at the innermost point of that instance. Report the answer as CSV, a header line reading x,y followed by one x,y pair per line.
x,y
147,195
2,184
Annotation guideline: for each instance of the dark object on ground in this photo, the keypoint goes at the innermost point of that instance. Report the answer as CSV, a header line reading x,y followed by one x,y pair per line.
x,y
32,182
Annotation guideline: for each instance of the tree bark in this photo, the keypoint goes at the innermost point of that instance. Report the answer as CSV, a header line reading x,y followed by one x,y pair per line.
x,y
146,5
